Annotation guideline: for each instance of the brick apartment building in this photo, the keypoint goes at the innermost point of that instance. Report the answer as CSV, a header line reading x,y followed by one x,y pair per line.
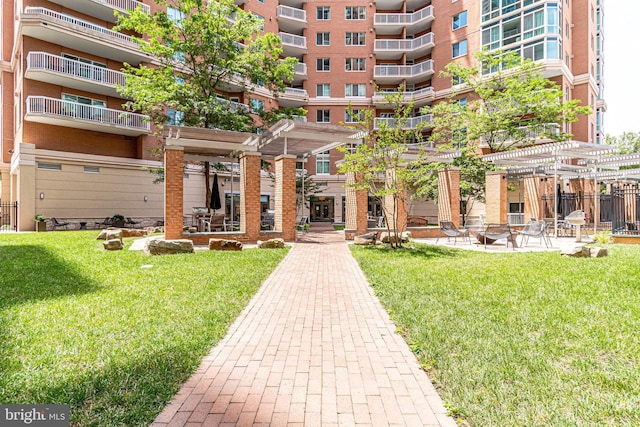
x,y
69,150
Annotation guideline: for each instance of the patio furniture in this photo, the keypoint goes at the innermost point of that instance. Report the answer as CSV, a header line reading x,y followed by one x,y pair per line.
x,y
494,232
571,223
450,230
107,222
215,222
132,223
302,222
58,224
535,229
267,221
473,225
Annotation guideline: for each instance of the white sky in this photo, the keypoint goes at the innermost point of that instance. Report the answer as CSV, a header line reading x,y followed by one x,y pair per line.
x,y
622,63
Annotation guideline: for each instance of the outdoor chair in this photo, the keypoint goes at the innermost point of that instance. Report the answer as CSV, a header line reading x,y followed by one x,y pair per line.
x,y
473,226
58,224
302,223
450,230
132,223
573,219
107,222
215,222
535,229
267,221
493,232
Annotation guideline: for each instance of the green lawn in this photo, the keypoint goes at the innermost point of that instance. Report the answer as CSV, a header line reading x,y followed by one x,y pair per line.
x,y
113,334
522,339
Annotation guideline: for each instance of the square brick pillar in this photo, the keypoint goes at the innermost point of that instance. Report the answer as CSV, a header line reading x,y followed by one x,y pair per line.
x,y
250,195
285,196
401,214
173,192
449,195
585,187
532,198
496,196
356,211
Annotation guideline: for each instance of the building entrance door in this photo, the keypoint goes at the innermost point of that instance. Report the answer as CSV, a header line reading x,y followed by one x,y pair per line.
x,y
322,209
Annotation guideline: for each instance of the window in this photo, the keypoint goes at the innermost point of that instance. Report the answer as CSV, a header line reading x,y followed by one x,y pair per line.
x,y
83,108
462,102
323,39
533,24
460,20
50,166
355,89
323,116
323,13
355,64
91,169
323,90
353,116
175,118
323,64
323,163
354,39
83,67
352,13
459,49
176,16
261,19
257,105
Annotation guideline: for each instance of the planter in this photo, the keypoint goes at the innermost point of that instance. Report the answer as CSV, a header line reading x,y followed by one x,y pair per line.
x,y
41,226
118,223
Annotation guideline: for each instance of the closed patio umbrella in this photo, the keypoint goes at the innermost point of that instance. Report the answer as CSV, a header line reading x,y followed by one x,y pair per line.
x,y
215,194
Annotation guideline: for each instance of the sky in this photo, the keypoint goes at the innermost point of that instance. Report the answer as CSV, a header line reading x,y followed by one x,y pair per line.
x,y
621,66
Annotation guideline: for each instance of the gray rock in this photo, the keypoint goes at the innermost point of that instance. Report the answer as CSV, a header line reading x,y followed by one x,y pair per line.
x,y
271,244
113,245
110,234
386,237
166,247
594,252
365,239
573,252
134,232
224,245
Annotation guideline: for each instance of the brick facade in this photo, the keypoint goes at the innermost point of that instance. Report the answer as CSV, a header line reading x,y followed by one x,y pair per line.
x,y
449,195
356,209
532,198
496,198
285,196
173,192
250,195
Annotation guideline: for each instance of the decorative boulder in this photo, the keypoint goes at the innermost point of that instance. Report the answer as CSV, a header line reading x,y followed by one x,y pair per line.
x,y
594,252
572,252
365,239
113,245
386,237
133,232
110,234
271,244
224,245
166,247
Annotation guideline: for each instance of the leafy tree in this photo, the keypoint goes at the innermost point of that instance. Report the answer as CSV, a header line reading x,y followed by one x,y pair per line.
x,y
379,163
307,186
628,142
196,53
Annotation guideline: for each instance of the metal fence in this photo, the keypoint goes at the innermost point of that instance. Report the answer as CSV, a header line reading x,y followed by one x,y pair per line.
x,y
8,216
625,208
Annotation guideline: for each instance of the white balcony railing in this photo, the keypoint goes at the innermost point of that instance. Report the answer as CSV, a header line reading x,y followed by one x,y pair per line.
x,y
293,40
515,218
404,45
295,91
392,70
422,93
82,25
403,18
411,123
42,61
301,69
292,13
126,4
43,105
542,134
232,105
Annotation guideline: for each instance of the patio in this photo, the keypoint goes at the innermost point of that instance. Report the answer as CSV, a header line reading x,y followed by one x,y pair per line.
x,y
534,244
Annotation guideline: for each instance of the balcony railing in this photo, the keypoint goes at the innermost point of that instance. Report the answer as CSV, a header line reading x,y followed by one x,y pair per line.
x,y
126,4
295,91
82,24
301,69
404,45
103,9
402,71
542,134
293,40
45,106
43,61
425,92
232,105
411,122
292,13
403,18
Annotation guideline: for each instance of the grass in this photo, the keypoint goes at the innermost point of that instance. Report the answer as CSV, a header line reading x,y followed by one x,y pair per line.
x,y
524,339
113,334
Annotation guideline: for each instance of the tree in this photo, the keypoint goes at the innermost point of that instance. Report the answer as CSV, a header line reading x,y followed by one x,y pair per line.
x,y
307,187
628,142
197,51
379,163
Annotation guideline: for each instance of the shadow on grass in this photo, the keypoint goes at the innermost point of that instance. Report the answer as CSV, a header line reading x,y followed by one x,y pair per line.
x,y
413,250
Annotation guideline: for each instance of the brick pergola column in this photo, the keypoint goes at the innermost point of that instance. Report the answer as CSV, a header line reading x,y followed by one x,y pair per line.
x,y
250,195
496,195
173,191
356,210
449,195
285,196
532,198
401,214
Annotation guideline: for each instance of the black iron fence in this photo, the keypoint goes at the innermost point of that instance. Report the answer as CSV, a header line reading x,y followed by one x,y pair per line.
x,y
8,216
625,206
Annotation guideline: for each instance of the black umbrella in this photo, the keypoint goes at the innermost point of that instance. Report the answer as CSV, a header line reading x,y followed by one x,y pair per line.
x,y
215,194
560,201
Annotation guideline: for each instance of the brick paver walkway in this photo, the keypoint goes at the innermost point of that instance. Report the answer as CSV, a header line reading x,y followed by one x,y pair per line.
x,y
313,348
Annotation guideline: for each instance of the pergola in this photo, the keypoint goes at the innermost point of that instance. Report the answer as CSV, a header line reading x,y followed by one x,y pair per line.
x,y
285,143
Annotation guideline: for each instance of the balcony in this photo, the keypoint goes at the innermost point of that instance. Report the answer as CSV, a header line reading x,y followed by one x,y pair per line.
x,y
391,73
293,97
300,73
44,67
528,136
291,19
103,9
420,97
292,44
395,48
293,3
232,105
394,23
57,112
71,32
411,123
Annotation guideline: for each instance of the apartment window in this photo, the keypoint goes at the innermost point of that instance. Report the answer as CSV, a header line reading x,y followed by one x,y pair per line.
x,y
323,64
533,24
50,166
323,39
355,13
175,118
354,39
257,105
84,67
355,89
91,169
355,64
459,20
323,13
91,109
353,116
261,19
323,163
566,29
462,102
323,90
176,16
323,116
459,49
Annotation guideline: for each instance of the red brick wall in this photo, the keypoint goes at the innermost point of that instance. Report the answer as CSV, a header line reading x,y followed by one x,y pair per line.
x,y
174,192
532,198
285,196
496,195
250,195
356,209
449,195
